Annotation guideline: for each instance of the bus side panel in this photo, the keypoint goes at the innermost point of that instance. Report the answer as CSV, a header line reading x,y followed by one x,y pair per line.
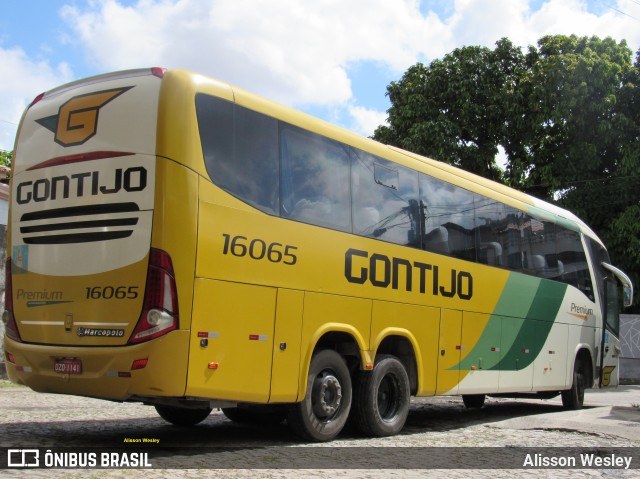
x,y
231,341
449,352
420,325
516,371
550,367
286,351
480,351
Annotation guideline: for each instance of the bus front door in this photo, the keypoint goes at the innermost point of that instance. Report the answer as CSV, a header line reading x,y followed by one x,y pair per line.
x,y
610,360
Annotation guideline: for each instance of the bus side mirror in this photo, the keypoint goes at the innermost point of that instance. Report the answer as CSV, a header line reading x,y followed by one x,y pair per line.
x,y
627,294
627,285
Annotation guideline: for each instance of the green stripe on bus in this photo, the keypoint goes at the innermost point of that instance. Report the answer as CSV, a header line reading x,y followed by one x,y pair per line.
x,y
519,326
534,331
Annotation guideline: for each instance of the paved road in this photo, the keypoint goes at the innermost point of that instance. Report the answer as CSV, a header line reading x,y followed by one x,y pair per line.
x,y
45,420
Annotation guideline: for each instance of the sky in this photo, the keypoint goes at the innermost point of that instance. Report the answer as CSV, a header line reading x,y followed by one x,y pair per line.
x,y
330,58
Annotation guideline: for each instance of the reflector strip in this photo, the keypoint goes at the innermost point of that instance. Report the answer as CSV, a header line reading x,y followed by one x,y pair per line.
x,y
205,334
258,337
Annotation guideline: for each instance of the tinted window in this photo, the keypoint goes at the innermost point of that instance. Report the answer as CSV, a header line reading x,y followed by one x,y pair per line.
x,y
492,228
285,170
514,257
315,184
572,262
613,306
385,200
240,149
449,219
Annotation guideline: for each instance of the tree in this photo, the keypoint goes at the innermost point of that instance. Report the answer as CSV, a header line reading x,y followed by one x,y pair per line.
x,y
452,110
5,158
566,112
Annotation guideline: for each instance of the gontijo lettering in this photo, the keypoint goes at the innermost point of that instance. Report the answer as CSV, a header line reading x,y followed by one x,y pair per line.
x,y
399,273
82,184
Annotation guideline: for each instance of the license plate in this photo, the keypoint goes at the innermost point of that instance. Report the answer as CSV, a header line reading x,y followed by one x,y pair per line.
x,y
68,366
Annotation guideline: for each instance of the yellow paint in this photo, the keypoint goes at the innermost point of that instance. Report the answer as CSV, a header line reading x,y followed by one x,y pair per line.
x,y
237,323
449,351
286,346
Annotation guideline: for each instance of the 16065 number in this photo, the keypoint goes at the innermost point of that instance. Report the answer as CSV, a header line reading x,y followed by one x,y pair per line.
x,y
112,292
258,249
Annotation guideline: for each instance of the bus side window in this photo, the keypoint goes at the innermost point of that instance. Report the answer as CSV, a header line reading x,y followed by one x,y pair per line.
x,y
315,179
491,226
574,262
448,218
384,200
240,149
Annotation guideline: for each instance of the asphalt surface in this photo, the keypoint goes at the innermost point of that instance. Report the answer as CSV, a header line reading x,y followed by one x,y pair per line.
x,y
439,429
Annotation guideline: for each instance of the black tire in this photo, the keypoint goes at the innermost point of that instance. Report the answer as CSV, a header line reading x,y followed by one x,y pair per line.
x,y
473,401
268,415
182,416
381,398
573,398
322,414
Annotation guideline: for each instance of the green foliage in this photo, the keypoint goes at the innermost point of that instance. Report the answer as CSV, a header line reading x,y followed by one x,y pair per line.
x,y
566,112
5,158
452,109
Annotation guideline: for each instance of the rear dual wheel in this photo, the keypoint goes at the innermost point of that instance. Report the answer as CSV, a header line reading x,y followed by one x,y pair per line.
x,y
382,398
325,409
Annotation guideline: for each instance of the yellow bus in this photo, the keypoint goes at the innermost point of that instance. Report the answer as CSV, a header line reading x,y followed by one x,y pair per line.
x,y
180,242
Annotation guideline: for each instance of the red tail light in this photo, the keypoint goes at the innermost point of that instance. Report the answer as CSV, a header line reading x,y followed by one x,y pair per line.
x,y
160,310
11,328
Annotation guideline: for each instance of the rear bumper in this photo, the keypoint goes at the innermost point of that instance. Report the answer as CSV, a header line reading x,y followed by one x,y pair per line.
x,y
106,371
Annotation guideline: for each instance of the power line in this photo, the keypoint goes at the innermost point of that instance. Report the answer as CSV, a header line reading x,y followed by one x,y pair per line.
x,y
624,13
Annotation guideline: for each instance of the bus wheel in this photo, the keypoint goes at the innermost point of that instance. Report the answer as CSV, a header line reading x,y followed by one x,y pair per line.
x,y
267,414
382,398
182,416
473,401
574,398
325,408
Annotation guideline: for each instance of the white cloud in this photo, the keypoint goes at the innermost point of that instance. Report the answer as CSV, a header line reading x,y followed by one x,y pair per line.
x,y
482,22
366,120
296,52
299,52
23,80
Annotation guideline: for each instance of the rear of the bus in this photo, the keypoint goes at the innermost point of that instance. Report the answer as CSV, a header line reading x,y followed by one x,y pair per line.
x,y
91,306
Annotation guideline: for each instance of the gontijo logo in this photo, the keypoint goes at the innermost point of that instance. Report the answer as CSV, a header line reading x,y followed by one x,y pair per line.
x,y
77,119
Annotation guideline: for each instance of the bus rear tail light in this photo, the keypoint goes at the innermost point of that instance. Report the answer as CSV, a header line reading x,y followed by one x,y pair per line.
x,y
10,325
160,310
